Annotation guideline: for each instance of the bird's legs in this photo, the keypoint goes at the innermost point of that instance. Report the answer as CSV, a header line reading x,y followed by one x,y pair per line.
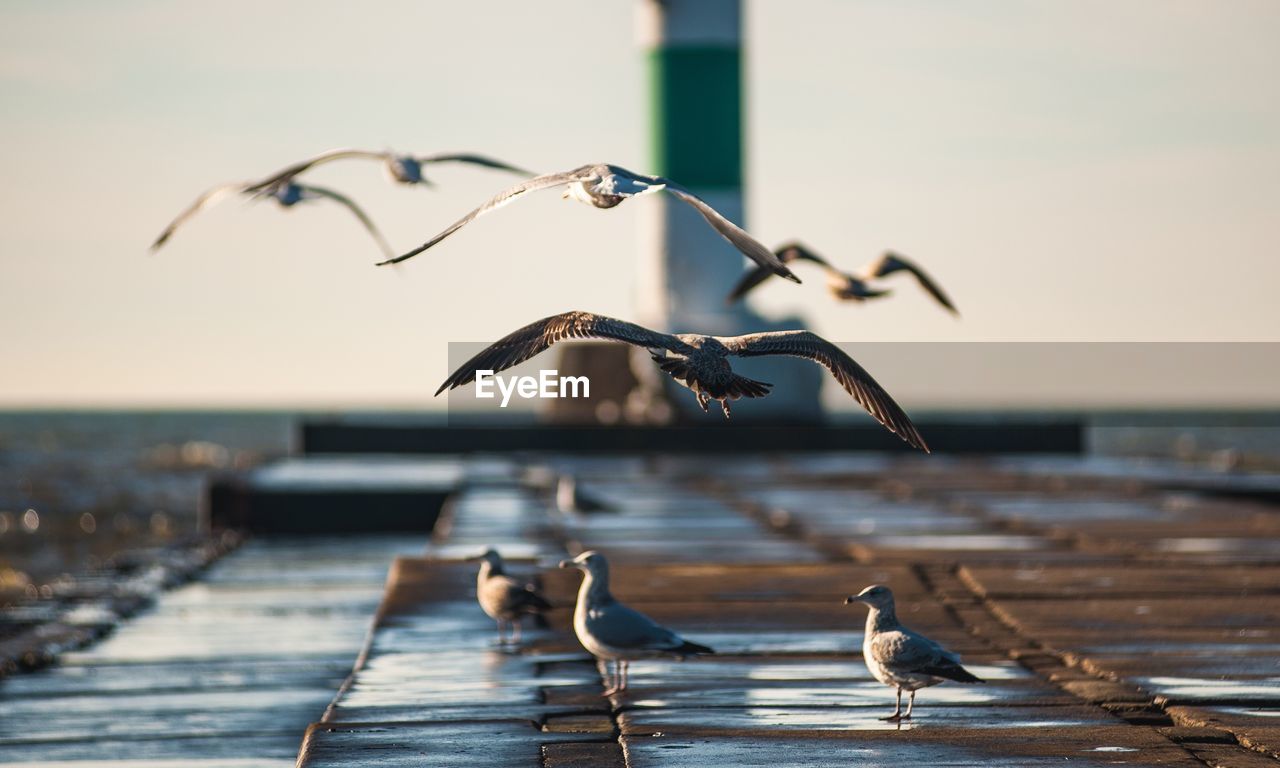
x,y
724,406
911,702
622,667
517,624
502,634
897,710
702,400
617,677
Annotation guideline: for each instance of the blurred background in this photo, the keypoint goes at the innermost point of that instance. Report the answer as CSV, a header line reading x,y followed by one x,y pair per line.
x,y
1081,171
1071,172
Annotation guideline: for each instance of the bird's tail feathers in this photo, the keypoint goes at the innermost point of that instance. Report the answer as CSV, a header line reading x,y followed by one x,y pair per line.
x,y
535,603
954,672
736,387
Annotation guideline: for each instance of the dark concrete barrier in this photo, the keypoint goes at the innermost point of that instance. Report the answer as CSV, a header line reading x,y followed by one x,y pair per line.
x,y
235,503
1050,435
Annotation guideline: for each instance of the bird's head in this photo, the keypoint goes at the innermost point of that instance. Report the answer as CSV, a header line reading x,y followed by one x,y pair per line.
x,y
876,596
590,561
489,556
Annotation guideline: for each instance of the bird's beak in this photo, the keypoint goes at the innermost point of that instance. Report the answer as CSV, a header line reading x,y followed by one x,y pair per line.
x,y
851,599
567,564
473,559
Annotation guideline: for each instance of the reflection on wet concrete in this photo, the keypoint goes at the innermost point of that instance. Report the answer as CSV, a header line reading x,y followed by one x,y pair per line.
x,y
1193,689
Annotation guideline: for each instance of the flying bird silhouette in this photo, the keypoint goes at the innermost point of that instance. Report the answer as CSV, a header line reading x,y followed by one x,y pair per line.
x,y
697,361
605,186
402,168
844,285
286,193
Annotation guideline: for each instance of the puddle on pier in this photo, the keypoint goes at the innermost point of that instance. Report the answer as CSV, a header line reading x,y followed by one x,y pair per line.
x,y
1200,689
861,718
851,668
958,542
1042,510
1268,548
739,752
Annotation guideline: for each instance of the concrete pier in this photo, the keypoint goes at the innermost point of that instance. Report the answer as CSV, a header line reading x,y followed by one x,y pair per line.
x,y
1115,615
1099,616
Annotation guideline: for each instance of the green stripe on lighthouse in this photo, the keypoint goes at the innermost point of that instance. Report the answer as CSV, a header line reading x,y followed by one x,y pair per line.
x,y
695,96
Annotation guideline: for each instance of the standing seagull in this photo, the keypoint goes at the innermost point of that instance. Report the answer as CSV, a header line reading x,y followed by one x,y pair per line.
x,y
843,285
698,362
503,598
899,657
286,193
605,186
404,169
613,632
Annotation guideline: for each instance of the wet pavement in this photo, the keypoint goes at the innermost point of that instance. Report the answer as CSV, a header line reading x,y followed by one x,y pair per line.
x,y
1101,643
1117,617
227,671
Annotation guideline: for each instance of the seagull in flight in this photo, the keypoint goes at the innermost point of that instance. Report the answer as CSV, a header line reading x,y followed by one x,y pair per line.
x,y
404,169
286,193
843,285
899,657
696,361
605,186
611,631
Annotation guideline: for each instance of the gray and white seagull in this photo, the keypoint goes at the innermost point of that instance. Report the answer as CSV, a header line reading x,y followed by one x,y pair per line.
x,y
402,168
286,193
847,286
699,362
899,657
503,598
605,186
611,631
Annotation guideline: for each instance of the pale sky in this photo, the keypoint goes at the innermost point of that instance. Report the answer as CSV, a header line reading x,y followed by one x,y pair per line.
x,y
1074,170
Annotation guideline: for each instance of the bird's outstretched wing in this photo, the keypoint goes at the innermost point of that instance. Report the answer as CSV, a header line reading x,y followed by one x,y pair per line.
x,y
754,277
287,173
786,253
853,377
516,347
355,209
750,247
206,199
892,262
794,251
497,201
466,157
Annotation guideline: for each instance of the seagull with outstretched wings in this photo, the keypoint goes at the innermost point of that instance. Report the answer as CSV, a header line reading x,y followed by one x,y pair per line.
x,y
402,168
699,362
606,186
847,286
287,194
